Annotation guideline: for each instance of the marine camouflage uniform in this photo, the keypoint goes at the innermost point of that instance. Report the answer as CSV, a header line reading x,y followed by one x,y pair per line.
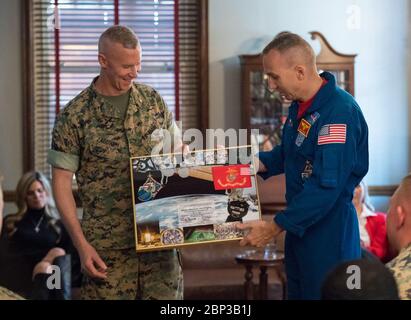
x,y
401,268
95,141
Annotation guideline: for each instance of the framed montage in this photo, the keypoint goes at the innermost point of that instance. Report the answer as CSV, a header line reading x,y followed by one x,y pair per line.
x,y
190,199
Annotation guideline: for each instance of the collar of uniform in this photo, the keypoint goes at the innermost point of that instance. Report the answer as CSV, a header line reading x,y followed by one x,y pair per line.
x,y
324,93
106,108
406,250
320,99
293,110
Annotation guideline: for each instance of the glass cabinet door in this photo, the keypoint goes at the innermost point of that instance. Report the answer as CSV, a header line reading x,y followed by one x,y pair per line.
x,y
268,112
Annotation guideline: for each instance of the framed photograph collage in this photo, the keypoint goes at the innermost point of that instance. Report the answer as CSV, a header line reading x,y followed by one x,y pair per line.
x,y
193,198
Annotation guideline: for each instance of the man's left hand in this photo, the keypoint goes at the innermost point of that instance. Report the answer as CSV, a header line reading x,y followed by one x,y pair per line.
x,y
260,232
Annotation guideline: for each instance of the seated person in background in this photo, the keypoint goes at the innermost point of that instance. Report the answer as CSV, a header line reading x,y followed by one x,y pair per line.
x,y
35,232
41,270
376,282
372,224
399,237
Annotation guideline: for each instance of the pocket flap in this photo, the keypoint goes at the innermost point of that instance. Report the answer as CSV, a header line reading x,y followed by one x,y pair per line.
x,y
329,168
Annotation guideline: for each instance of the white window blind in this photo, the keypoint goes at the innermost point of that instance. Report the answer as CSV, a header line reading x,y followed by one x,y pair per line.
x,y
81,23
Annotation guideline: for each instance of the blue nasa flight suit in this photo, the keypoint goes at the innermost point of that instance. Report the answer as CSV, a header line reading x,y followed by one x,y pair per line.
x,y
320,220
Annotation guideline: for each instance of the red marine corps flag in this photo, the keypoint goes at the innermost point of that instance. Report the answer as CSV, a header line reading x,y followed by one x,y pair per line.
x,y
231,177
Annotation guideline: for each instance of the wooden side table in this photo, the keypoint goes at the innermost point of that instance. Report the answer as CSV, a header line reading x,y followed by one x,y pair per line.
x,y
261,259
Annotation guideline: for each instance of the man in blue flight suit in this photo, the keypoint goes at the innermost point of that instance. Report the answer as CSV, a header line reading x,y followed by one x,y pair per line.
x,y
324,155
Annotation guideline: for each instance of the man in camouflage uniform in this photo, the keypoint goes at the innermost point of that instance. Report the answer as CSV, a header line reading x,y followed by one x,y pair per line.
x,y
94,137
399,237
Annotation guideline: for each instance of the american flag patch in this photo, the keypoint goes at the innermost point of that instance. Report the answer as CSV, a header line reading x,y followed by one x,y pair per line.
x,y
332,133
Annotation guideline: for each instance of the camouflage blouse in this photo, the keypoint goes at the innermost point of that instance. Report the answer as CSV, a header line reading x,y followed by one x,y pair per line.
x,y
401,268
91,139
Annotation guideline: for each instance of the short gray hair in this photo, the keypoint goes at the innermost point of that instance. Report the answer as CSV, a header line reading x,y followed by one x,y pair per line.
x,y
119,34
285,40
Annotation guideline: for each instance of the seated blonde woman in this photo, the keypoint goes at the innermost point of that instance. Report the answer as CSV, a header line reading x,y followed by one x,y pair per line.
x,y
35,232
35,229
40,272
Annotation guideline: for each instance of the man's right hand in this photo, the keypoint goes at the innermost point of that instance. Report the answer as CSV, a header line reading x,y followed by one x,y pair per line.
x,y
91,262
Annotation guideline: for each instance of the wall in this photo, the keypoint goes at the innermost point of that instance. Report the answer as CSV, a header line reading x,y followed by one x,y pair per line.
x,y
11,161
243,27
